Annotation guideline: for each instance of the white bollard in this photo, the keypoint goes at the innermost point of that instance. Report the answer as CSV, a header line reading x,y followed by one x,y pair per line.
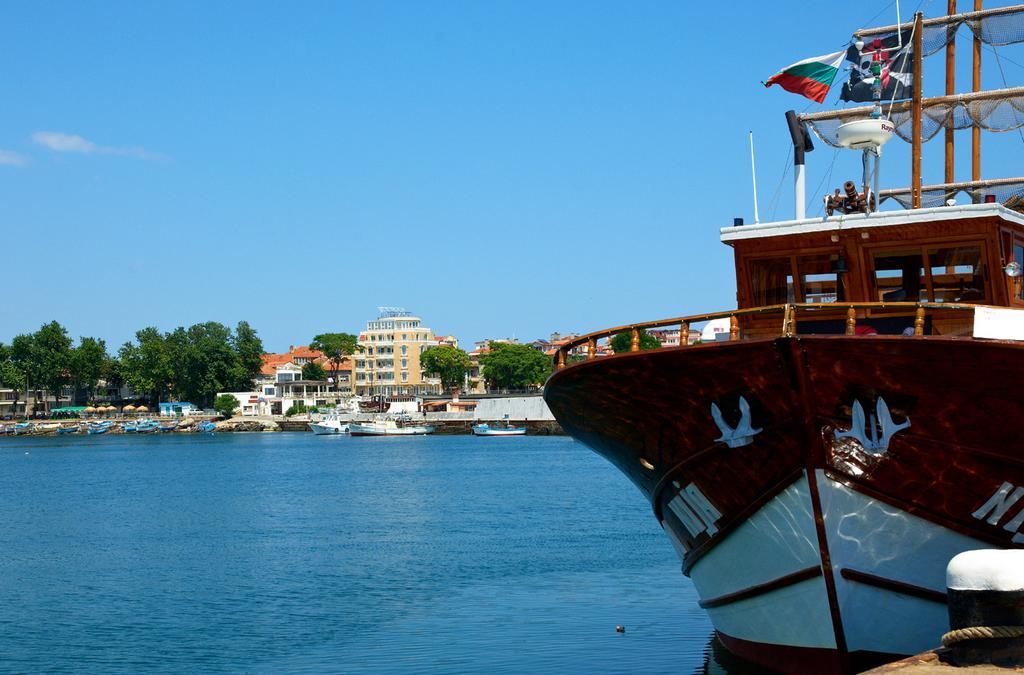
x,y
985,594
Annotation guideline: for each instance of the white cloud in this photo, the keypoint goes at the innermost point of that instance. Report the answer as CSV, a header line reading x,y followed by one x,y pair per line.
x,y
60,142
11,158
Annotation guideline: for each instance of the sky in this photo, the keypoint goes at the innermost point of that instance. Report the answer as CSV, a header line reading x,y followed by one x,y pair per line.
x,y
501,169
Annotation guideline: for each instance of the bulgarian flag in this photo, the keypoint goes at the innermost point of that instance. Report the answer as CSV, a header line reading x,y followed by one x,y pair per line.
x,y
810,77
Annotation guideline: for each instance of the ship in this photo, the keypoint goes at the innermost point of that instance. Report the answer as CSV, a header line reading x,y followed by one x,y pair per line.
x,y
854,424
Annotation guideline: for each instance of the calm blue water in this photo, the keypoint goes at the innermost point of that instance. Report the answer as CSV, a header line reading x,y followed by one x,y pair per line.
x,y
292,552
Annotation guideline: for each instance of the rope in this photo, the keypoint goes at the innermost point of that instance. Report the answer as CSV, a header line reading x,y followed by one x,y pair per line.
x,y
981,633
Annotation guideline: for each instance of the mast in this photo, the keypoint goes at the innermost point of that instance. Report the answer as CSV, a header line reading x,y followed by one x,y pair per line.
x,y
976,87
915,182
801,144
950,85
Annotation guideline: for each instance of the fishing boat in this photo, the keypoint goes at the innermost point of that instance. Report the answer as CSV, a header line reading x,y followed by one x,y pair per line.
x,y
147,426
166,428
329,425
855,427
484,429
205,427
68,430
98,427
398,425
22,428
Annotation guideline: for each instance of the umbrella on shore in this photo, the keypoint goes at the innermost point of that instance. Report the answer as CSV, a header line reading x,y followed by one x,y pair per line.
x,y
128,408
89,409
141,408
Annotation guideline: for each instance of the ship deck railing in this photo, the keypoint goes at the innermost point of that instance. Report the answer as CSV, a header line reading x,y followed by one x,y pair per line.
x,y
951,319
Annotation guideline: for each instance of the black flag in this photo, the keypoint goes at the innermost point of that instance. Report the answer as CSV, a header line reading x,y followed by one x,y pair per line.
x,y
897,69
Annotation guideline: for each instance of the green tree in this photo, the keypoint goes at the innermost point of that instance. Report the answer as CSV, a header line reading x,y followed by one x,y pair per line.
x,y
148,365
10,375
24,363
337,347
449,363
508,366
89,363
249,348
205,362
51,354
313,371
622,342
225,404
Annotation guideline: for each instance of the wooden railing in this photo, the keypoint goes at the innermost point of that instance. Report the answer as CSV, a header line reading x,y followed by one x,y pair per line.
x,y
851,312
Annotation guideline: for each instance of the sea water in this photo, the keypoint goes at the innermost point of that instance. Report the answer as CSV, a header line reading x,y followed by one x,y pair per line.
x,y
298,553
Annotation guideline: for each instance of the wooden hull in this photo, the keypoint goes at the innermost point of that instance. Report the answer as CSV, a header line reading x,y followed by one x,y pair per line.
x,y
812,518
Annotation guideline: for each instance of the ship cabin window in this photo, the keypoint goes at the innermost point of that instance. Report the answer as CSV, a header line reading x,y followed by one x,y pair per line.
x,y
957,274
900,276
947,274
819,280
772,281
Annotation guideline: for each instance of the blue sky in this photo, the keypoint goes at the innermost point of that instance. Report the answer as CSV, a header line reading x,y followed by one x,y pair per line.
x,y
500,168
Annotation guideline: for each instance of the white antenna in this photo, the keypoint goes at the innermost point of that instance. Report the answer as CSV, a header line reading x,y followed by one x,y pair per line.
x,y
753,174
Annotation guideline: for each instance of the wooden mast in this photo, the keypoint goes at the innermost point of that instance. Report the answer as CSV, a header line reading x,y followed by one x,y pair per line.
x,y
915,154
950,86
976,86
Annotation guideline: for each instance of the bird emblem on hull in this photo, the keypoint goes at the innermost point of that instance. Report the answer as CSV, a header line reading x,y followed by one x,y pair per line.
x,y
866,431
740,435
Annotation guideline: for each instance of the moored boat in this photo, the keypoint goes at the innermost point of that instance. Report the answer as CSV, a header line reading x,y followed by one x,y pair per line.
x,y
390,426
205,427
485,429
328,427
146,426
817,466
22,428
68,430
98,427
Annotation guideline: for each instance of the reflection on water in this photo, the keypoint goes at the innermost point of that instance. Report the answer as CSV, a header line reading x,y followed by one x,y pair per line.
x,y
298,553
720,661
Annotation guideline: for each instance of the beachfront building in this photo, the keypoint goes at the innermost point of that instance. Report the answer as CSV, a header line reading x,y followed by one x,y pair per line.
x,y
389,363
177,409
287,366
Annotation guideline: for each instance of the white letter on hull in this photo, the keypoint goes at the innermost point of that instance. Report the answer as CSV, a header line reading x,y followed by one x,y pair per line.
x,y
694,510
999,504
699,503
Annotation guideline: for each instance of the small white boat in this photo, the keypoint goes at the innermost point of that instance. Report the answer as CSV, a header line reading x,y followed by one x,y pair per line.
x,y
507,430
389,426
328,427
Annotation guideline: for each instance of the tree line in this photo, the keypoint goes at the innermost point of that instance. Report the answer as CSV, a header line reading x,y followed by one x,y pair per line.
x,y
186,364
503,366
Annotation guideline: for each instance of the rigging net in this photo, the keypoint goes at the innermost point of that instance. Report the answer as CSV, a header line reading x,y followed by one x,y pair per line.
x,y
1006,191
1001,110
998,27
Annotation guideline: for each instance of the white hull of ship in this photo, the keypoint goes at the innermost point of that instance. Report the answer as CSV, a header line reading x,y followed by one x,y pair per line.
x,y
868,544
328,428
373,430
499,432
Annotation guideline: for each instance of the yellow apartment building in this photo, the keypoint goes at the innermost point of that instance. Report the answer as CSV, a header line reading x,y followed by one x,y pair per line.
x,y
389,364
